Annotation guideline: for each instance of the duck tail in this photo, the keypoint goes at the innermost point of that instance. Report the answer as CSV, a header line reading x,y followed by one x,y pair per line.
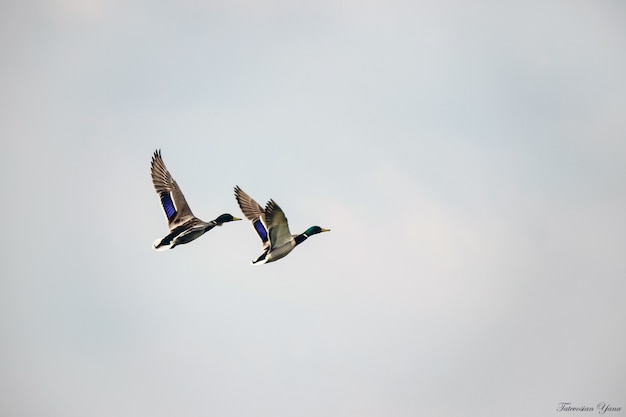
x,y
160,245
261,259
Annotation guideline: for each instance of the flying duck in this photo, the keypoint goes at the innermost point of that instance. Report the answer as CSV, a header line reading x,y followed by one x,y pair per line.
x,y
184,226
272,227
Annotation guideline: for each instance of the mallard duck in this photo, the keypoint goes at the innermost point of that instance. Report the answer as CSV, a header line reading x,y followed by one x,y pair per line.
x,y
272,227
184,226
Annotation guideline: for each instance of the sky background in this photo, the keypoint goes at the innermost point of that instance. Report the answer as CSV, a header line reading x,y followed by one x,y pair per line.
x,y
469,159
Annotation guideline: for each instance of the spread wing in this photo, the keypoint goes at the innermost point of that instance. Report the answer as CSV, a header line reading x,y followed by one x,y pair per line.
x,y
253,212
173,201
277,224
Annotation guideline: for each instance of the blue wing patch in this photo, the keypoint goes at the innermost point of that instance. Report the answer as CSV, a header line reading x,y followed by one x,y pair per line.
x,y
260,229
168,205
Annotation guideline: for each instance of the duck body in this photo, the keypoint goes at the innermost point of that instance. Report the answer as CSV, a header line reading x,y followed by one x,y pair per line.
x,y
276,252
183,225
272,227
184,233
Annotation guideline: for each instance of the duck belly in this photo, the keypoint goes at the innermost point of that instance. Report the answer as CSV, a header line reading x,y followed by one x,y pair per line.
x,y
280,252
188,235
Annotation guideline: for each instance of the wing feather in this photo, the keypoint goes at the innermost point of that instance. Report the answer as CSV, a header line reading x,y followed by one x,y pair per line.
x,y
278,225
172,199
253,212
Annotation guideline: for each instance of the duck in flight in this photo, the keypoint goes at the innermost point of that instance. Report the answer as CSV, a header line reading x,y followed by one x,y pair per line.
x,y
184,226
272,227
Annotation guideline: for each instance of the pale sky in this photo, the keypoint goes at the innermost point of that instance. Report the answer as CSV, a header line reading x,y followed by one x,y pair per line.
x,y
469,158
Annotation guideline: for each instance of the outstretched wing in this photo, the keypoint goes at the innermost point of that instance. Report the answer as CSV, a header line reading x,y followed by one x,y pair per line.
x,y
277,224
173,201
253,212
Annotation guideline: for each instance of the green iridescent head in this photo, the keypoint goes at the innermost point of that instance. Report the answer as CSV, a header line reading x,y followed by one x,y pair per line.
x,y
313,230
225,218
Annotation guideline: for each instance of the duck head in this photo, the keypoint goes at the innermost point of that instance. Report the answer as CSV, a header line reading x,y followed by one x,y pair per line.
x,y
313,230
225,218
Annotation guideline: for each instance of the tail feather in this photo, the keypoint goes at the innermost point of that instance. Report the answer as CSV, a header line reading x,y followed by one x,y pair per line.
x,y
159,245
261,259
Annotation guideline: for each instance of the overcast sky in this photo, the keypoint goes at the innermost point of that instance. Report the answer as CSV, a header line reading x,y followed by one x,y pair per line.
x,y
469,158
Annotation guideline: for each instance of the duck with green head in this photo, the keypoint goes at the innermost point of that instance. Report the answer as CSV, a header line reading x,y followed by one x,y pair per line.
x,y
184,226
272,227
